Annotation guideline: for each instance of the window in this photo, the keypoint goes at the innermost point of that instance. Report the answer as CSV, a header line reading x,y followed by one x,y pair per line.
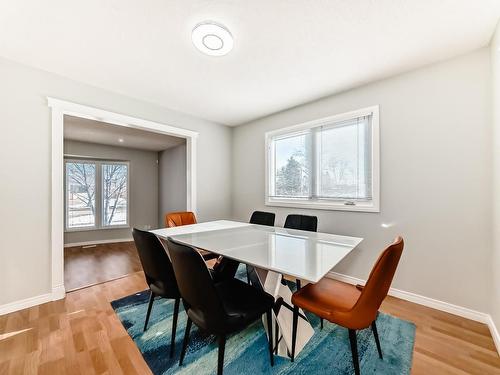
x,y
292,177
96,194
114,194
332,163
80,194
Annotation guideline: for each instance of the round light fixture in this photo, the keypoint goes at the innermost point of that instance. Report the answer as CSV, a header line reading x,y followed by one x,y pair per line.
x,y
212,38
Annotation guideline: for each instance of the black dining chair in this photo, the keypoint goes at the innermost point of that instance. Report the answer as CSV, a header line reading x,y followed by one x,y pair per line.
x,y
218,308
226,268
262,218
159,274
301,222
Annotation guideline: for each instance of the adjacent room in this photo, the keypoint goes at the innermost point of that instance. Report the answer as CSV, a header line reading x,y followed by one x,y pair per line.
x,y
250,187
115,178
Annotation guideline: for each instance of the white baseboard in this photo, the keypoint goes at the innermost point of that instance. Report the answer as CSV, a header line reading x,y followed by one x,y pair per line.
x,y
87,243
494,333
421,300
432,303
57,293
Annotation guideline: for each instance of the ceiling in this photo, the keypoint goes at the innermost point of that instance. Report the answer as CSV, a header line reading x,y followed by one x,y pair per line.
x,y
286,52
79,129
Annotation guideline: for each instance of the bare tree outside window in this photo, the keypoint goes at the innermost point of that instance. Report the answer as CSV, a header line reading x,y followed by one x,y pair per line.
x,y
81,183
96,194
344,161
114,194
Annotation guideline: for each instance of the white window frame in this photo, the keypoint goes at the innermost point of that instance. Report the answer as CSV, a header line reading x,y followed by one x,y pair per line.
x,y
323,204
99,214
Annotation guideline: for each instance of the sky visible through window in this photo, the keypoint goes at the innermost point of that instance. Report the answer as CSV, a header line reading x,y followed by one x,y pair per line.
x,y
342,169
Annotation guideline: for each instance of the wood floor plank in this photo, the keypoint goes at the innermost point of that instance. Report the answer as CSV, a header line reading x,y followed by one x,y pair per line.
x,y
84,267
426,365
82,335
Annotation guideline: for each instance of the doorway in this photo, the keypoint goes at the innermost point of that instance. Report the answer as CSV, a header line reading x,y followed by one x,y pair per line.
x,y
114,210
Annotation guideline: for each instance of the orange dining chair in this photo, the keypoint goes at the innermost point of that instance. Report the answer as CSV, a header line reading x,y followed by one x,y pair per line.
x,y
177,219
350,306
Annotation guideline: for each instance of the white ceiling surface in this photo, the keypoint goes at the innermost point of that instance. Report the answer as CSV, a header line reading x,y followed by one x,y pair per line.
x,y
286,52
79,129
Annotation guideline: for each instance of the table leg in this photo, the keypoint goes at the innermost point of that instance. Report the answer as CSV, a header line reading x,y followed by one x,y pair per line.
x,y
282,322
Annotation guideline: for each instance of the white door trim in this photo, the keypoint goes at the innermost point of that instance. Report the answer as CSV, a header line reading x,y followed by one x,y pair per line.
x,y
59,109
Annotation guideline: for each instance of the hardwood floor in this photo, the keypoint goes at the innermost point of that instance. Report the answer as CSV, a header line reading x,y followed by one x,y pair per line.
x,y
82,335
445,343
77,335
89,266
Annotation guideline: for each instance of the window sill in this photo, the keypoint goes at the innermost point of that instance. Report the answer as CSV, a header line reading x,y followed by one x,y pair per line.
x,y
89,229
322,205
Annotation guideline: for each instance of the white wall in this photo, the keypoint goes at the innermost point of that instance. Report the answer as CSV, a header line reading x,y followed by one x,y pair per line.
x,y
435,177
143,189
25,169
435,169
172,181
495,264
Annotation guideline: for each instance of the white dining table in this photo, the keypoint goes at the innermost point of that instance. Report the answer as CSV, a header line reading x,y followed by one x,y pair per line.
x,y
274,252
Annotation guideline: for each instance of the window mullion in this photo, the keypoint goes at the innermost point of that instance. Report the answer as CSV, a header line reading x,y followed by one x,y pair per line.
x,y
273,167
98,195
314,167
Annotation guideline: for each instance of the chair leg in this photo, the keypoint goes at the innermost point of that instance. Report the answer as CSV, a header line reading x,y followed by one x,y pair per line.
x,y
321,322
354,350
377,341
298,284
248,275
222,345
269,317
185,341
276,336
150,306
174,326
294,329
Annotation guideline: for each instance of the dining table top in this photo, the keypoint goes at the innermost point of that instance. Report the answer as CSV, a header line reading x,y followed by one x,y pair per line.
x,y
305,255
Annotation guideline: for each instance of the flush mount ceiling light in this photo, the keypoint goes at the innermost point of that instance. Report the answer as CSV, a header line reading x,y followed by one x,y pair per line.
x,y
212,38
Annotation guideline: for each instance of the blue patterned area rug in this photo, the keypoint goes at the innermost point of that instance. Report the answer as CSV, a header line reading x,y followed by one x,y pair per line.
x,y
328,352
